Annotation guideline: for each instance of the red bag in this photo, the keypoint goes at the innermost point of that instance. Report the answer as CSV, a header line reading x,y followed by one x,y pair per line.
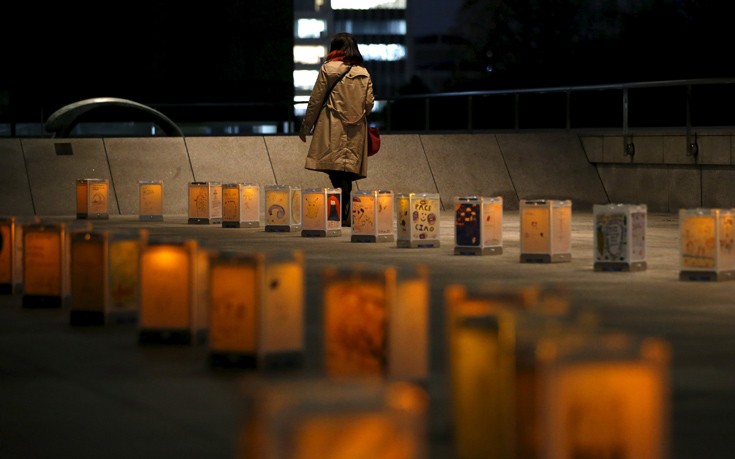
x,y
373,140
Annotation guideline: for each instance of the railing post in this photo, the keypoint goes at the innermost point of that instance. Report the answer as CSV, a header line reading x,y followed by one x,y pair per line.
x,y
629,147
692,146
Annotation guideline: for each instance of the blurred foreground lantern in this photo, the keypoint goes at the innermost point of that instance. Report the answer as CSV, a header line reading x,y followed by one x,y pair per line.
x,y
707,239
45,265
318,419
11,253
418,219
93,198
282,208
620,237
604,395
205,202
482,327
256,316
150,200
322,212
546,231
478,225
241,205
376,322
372,216
104,276
173,292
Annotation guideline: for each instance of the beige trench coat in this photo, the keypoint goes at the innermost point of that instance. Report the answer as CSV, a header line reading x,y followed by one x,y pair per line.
x,y
339,130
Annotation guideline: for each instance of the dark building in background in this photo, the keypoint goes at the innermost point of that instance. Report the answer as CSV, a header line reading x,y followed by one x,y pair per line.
x,y
189,60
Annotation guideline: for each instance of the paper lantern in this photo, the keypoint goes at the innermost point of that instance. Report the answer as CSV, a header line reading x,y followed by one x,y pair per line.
x,y
619,237
478,225
11,253
104,272
707,238
173,292
45,265
605,395
376,321
241,205
93,198
418,219
322,212
488,331
282,208
256,316
150,200
205,202
373,217
546,231
318,419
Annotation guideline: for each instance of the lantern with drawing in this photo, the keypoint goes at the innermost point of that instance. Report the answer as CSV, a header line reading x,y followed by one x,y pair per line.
x,y
322,212
418,217
372,216
150,200
619,237
93,198
478,225
11,253
282,208
707,238
205,202
546,230
240,205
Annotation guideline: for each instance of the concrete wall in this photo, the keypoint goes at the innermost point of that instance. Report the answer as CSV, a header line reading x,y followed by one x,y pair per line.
x,y
38,176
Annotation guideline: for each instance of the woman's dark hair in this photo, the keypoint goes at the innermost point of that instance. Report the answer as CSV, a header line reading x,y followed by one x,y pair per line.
x,y
347,44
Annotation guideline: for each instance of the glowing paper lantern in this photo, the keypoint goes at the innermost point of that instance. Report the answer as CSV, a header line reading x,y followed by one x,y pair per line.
x,y
373,218
173,292
418,219
478,225
376,322
45,263
707,239
322,212
205,202
93,198
282,208
256,316
150,200
319,419
603,396
11,253
620,237
546,231
241,205
104,271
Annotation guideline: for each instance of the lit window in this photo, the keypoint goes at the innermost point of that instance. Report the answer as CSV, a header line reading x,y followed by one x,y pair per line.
x,y
368,4
305,54
368,27
299,109
310,28
383,52
304,79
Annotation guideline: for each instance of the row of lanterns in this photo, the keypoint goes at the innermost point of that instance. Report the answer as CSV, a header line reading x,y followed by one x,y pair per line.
x,y
412,220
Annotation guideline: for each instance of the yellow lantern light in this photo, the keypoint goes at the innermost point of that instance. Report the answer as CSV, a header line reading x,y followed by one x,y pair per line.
x,y
320,419
45,262
282,208
256,315
489,389
11,253
418,219
93,198
707,238
150,200
104,276
173,292
373,217
376,322
322,212
546,231
241,205
619,237
478,225
606,395
205,202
